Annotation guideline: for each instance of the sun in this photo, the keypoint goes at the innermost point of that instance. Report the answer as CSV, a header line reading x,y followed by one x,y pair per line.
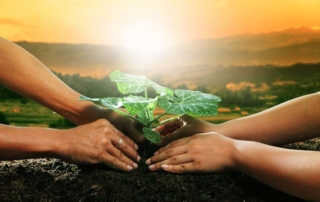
x,y
144,36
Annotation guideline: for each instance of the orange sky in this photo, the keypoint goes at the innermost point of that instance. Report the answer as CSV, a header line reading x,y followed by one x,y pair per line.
x,y
107,21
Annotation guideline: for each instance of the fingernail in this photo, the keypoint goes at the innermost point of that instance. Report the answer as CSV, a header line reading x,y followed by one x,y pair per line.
x,y
129,168
156,153
164,166
148,161
136,146
135,165
151,167
138,158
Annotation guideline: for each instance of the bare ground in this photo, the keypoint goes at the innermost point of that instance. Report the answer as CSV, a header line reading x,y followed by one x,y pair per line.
x,y
54,180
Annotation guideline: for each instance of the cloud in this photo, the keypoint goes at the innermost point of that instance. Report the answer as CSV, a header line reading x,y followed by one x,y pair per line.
x,y
11,21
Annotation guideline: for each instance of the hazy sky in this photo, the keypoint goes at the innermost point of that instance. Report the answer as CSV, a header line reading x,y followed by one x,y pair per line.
x,y
120,22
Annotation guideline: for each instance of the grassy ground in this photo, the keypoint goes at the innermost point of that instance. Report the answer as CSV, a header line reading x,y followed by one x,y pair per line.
x,y
27,113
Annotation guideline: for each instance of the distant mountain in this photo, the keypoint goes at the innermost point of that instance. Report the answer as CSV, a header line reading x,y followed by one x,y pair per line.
x,y
287,47
258,42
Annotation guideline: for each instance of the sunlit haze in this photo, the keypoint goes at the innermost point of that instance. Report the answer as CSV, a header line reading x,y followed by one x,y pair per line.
x,y
149,24
143,36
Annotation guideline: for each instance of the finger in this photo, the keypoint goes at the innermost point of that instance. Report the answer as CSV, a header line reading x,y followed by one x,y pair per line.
x,y
121,156
180,168
178,134
115,163
126,148
166,154
175,160
173,144
130,142
167,126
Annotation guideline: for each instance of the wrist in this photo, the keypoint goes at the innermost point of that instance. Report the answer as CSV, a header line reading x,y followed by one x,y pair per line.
x,y
219,128
233,155
83,112
242,154
56,146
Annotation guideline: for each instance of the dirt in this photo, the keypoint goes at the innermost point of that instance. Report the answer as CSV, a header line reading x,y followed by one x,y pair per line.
x,y
54,180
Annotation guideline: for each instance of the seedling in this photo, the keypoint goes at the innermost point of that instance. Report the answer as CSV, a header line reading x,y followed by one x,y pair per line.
x,y
141,109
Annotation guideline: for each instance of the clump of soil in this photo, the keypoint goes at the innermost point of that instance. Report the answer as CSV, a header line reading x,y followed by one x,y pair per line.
x,y
54,180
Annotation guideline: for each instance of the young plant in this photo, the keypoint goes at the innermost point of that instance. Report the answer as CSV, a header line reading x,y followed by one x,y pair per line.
x,y
139,108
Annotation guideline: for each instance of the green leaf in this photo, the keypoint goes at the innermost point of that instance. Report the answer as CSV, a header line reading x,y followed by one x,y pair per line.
x,y
112,102
134,104
162,91
190,102
128,83
152,136
143,117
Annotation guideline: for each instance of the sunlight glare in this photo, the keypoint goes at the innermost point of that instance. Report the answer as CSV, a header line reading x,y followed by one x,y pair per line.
x,y
144,36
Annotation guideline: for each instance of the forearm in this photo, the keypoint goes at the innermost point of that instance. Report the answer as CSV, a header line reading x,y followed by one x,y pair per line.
x,y
291,171
28,142
292,121
26,75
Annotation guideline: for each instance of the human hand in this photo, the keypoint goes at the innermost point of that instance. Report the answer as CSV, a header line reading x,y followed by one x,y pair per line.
x,y
98,142
181,127
207,152
124,124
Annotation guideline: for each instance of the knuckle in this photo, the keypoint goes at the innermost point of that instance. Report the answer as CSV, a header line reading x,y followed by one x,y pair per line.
x,y
174,144
161,150
157,166
197,165
101,121
168,152
124,145
192,147
98,156
105,141
114,161
104,130
173,160
121,156
181,168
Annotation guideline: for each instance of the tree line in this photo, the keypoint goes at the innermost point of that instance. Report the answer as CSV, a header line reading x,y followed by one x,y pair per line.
x,y
305,76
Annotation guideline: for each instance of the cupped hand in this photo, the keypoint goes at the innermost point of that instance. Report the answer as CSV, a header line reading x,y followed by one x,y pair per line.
x,y
98,142
124,124
207,152
181,127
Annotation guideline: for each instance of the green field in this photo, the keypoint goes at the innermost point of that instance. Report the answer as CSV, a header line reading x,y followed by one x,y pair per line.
x,y
28,113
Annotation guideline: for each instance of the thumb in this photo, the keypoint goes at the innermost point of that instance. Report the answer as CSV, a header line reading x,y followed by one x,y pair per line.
x,y
178,134
132,132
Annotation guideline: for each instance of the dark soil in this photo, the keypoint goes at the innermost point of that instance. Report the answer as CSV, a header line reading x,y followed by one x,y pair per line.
x,y
54,180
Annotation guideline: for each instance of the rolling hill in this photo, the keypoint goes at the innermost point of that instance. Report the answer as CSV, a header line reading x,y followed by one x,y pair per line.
x,y
282,48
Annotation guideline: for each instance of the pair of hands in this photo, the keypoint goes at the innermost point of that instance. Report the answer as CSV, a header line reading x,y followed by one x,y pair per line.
x,y
191,147
97,142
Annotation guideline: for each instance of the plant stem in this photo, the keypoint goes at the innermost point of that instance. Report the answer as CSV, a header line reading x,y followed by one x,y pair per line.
x,y
148,115
146,93
161,115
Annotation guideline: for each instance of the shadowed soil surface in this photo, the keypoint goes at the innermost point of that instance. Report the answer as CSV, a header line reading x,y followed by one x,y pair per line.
x,y
54,180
